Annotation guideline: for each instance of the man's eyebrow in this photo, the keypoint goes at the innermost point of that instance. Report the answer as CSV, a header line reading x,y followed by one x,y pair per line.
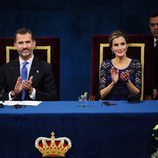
x,y
25,41
153,23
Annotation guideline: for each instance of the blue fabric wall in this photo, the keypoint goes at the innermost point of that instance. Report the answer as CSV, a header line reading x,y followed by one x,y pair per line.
x,y
75,22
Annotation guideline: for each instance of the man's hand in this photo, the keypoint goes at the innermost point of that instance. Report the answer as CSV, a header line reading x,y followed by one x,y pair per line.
x,y
27,85
155,93
17,88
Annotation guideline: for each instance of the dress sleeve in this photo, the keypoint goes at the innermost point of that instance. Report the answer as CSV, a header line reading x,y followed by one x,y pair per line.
x,y
138,74
103,74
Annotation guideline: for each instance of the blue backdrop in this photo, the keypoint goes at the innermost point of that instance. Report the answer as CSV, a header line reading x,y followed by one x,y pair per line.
x,y
75,22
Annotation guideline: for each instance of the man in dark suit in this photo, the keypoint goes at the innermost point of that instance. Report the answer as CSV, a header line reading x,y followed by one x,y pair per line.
x,y
39,83
153,25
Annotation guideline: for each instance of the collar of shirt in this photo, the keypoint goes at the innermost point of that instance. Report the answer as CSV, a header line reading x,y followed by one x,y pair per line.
x,y
28,65
155,41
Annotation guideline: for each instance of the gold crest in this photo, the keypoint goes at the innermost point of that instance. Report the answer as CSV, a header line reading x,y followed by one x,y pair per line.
x,y
53,147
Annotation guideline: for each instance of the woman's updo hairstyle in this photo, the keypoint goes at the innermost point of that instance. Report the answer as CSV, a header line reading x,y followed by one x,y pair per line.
x,y
116,34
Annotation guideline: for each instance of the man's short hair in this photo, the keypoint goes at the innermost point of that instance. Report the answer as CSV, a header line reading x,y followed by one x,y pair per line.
x,y
23,31
154,14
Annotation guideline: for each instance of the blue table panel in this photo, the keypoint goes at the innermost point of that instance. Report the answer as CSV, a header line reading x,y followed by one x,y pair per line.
x,y
121,130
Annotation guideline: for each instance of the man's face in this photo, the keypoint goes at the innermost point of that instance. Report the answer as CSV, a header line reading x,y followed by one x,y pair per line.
x,y
24,45
153,24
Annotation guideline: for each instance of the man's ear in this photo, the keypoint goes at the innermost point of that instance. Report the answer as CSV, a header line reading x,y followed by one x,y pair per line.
x,y
15,45
34,43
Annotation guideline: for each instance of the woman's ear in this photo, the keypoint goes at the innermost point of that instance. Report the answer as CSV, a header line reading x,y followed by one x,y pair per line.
x,y
112,52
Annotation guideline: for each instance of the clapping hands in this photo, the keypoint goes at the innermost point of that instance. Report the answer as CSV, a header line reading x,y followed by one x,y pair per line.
x,y
27,85
115,75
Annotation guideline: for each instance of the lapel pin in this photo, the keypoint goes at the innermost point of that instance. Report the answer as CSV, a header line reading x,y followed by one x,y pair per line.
x,y
37,71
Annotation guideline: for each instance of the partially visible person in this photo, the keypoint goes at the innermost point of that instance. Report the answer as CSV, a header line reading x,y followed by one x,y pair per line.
x,y
39,83
153,25
120,77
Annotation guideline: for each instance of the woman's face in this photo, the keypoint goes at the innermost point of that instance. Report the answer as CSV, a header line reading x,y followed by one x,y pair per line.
x,y
119,46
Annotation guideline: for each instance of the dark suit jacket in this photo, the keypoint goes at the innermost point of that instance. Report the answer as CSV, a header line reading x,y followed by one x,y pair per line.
x,y
155,67
43,79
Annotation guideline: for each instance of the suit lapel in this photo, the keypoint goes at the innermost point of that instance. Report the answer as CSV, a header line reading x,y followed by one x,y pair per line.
x,y
34,67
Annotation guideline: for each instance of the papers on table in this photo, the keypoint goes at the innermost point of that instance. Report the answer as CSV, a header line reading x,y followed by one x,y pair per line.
x,y
29,103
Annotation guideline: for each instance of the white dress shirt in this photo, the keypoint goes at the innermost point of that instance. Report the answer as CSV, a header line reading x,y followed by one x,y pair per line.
x,y
155,42
32,95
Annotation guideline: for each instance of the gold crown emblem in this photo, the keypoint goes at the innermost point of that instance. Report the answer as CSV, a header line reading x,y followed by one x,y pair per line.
x,y
53,147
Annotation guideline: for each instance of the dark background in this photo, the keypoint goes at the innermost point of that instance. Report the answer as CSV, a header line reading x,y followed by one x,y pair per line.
x,y
75,22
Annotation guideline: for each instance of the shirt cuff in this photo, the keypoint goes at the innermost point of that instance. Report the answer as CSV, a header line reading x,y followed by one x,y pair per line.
x,y
33,94
10,97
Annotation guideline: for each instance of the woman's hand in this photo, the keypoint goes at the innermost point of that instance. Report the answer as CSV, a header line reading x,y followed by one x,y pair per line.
x,y
114,75
125,76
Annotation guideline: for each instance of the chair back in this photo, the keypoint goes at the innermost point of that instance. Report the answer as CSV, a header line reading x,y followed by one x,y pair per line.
x,y
47,48
139,48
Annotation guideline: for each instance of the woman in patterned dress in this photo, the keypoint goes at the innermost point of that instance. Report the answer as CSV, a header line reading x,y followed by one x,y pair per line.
x,y
120,76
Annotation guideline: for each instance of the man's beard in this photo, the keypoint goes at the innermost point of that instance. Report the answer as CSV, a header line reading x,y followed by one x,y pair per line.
x,y
24,54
